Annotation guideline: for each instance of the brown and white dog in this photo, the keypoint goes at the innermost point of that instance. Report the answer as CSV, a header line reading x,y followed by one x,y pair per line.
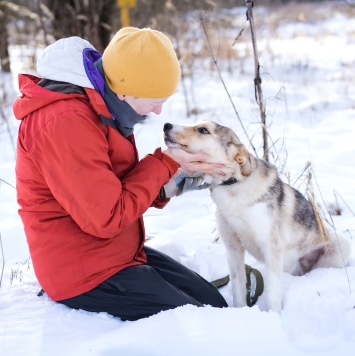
x,y
259,213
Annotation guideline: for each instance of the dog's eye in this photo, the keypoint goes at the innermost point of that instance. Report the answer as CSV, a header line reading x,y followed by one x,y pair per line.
x,y
203,130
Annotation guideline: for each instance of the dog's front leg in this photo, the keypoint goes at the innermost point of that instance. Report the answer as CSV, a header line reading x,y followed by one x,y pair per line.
x,y
235,255
273,283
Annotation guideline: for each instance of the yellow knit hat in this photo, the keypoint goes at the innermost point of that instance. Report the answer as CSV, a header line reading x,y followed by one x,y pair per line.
x,y
141,63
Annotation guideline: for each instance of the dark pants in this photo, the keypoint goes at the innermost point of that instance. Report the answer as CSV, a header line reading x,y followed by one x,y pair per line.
x,y
140,291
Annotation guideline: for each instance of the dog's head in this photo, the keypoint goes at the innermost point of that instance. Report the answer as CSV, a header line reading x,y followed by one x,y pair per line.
x,y
219,143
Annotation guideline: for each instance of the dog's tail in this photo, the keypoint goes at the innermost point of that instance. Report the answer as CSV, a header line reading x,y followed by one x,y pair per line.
x,y
337,252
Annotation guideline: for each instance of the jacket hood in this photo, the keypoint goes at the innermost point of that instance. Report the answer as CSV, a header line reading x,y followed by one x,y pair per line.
x,y
35,97
71,68
63,61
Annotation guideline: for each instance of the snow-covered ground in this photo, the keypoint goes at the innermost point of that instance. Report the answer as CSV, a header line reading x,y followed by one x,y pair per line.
x,y
308,84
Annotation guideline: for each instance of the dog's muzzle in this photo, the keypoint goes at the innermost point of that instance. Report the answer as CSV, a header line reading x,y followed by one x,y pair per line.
x,y
167,127
167,136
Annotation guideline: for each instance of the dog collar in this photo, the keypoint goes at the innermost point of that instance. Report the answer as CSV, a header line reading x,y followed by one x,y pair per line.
x,y
229,181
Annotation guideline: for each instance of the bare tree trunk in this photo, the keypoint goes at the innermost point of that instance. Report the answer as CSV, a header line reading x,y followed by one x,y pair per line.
x,y
4,47
93,20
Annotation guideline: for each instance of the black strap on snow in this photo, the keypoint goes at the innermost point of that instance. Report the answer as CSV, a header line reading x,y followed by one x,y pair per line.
x,y
259,288
218,283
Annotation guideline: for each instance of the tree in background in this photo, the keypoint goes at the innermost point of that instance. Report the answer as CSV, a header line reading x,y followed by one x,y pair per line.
x,y
41,22
18,24
94,20
4,46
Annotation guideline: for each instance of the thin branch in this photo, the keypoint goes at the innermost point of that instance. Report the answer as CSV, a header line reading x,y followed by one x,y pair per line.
x,y
8,129
1,247
337,194
257,80
224,85
308,164
12,186
333,226
3,260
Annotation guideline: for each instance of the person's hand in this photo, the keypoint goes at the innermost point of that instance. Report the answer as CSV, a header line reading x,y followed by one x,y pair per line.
x,y
194,162
183,182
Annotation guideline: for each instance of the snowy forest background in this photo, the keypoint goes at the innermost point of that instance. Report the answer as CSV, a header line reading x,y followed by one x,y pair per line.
x,y
306,52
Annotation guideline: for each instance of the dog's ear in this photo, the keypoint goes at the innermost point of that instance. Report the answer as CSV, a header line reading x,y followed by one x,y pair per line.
x,y
242,157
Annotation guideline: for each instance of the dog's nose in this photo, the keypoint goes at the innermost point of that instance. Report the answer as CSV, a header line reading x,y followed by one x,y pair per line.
x,y
167,126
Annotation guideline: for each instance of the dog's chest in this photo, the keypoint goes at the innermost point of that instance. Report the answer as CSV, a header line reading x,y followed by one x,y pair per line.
x,y
238,197
245,214
250,221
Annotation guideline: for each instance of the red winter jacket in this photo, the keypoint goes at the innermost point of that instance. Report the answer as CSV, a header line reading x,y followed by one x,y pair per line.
x,y
81,189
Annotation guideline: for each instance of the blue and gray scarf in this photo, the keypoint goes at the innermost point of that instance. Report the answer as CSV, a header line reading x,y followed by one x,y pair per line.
x,y
123,114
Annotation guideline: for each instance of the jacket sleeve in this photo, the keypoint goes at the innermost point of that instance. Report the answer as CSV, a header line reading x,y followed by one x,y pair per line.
x,y
161,200
72,156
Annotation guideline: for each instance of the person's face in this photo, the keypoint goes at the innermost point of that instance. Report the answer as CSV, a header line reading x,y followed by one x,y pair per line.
x,y
144,106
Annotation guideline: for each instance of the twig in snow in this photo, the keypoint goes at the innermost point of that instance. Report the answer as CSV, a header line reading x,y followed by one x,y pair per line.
x,y
337,194
1,180
3,260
